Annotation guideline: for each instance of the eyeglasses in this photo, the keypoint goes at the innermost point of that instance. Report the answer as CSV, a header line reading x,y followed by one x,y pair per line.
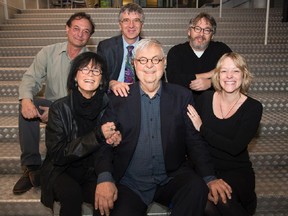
x,y
155,60
127,21
77,30
86,71
198,29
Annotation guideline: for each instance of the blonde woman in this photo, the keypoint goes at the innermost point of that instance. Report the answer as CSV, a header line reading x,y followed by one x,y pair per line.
x,y
228,119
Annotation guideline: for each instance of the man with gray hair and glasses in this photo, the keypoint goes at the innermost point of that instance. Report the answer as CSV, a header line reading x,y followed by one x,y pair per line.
x,y
192,63
117,51
160,148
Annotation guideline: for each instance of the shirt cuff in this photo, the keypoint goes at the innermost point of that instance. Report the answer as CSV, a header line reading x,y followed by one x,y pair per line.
x,y
208,179
105,177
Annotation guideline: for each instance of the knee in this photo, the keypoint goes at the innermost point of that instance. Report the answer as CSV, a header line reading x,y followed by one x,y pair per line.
x,y
69,195
198,188
199,185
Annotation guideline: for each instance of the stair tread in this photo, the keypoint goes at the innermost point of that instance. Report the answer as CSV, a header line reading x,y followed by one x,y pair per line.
x,y
264,186
268,151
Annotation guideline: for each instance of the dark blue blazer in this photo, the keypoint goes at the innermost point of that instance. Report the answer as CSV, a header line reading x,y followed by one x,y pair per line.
x,y
183,146
112,51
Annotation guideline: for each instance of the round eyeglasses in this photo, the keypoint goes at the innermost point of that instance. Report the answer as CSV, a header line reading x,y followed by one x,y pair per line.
x,y
86,71
198,29
155,60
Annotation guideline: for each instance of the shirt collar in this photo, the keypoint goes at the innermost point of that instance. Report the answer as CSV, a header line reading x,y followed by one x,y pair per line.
x,y
63,48
158,93
125,44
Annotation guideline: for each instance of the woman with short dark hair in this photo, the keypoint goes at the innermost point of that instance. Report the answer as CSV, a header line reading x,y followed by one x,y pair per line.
x,y
74,137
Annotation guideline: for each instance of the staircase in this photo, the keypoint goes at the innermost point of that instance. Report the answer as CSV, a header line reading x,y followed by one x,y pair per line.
x,y
242,29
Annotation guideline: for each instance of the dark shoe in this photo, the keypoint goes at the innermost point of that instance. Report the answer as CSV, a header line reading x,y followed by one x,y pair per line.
x,y
34,176
23,184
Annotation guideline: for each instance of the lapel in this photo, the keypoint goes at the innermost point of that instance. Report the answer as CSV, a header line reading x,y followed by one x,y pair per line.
x,y
134,109
119,47
117,54
166,110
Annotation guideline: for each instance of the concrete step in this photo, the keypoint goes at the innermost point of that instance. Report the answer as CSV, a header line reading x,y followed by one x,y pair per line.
x,y
260,84
158,18
264,151
153,24
243,30
168,40
241,48
271,101
252,59
259,70
12,74
271,185
148,32
272,123
60,13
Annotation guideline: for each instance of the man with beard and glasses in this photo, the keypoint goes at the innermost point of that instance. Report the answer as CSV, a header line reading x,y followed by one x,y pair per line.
x,y
192,63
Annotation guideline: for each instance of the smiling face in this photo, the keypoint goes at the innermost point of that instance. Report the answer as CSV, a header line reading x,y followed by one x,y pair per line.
x,y
149,73
230,77
88,82
200,41
130,25
79,32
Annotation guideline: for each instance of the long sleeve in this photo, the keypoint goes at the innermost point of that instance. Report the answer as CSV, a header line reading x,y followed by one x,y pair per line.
x,y
231,135
63,145
34,76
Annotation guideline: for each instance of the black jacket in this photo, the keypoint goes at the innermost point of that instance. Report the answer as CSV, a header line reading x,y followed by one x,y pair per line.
x,y
179,137
65,148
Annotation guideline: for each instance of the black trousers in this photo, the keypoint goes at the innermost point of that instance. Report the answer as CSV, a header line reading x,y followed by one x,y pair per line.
x,y
72,188
29,135
244,200
185,194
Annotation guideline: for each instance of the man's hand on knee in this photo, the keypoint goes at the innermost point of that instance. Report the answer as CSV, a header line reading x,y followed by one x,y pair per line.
x,y
28,109
105,196
219,187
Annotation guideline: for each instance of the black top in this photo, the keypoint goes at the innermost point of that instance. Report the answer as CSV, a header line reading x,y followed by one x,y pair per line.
x,y
228,138
183,64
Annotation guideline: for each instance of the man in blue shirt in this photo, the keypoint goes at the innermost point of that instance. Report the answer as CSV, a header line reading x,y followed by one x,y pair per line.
x,y
160,148
114,50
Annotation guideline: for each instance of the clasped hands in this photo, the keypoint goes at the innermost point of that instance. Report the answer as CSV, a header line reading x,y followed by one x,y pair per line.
x,y
111,134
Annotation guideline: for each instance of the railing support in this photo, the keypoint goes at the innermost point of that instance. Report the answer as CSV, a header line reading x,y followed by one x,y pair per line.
x,y
267,22
6,10
220,12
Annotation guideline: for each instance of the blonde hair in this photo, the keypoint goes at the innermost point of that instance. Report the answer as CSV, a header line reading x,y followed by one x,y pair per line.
x,y
240,63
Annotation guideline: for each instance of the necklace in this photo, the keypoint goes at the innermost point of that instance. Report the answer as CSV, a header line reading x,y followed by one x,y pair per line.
x,y
224,116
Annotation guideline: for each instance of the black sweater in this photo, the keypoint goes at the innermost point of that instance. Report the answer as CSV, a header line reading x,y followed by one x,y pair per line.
x,y
228,138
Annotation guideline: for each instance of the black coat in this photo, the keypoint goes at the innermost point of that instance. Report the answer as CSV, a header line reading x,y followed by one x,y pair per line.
x,y
64,147
179,138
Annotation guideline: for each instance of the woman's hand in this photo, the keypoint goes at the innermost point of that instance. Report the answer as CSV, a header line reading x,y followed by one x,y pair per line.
x,y
195,118
111,134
